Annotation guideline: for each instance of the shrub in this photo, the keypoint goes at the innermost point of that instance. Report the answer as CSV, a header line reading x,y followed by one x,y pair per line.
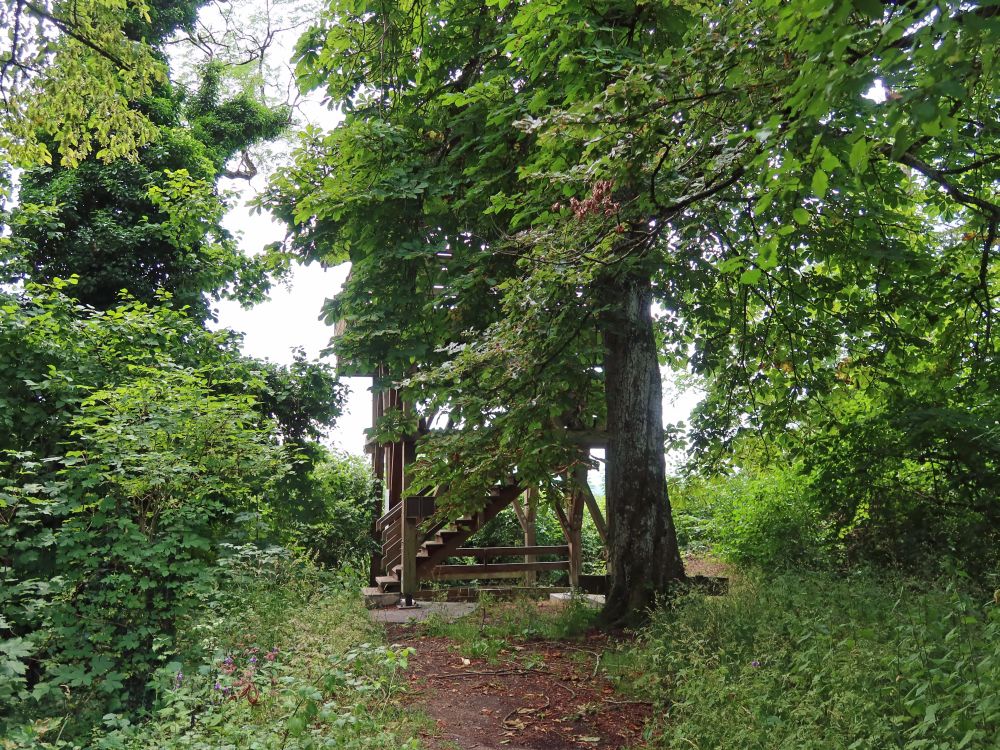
x,y
289,660
764,519
344,502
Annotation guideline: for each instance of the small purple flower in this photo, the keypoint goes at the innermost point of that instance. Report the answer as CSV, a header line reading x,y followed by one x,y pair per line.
x,y
252,660
218,686
227,661
179,678
755,663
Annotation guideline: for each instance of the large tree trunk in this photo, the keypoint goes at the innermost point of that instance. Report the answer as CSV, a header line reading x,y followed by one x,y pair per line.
x,y
643,558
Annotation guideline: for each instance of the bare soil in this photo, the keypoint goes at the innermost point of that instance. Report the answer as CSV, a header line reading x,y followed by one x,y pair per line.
x,y
541,695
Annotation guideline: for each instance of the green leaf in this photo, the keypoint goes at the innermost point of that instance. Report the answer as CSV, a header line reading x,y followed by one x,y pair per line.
x,y
924,111
801,216
869,8
820,183
762,204
750,276
858,158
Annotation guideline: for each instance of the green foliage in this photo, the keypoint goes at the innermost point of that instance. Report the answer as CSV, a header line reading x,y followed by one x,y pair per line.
x,y
767,519
334,524
903,482
153,223
69,78
136,444
913,478
819,257
286,657
159,471
821,662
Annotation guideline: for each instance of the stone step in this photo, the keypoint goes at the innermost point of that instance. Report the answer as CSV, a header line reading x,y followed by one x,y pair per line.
x,y
387,583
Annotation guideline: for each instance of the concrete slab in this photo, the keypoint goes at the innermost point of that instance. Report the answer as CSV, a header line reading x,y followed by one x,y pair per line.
x,y
449,611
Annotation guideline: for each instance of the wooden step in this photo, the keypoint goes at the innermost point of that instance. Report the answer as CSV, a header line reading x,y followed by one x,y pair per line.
x,y
388,583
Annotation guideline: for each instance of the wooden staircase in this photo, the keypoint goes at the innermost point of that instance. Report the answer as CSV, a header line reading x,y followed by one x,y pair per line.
x,y
436,544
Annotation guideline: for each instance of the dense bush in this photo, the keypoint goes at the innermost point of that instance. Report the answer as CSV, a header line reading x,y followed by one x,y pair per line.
x,y
914,479
285,657
344,503
136,444
768,520
820,662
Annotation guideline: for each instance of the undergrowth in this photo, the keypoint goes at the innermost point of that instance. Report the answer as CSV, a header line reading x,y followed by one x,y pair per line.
x,y
494,625
820,662
286,659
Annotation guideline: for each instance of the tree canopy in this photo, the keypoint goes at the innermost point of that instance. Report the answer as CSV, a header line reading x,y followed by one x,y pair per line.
x,y
510,179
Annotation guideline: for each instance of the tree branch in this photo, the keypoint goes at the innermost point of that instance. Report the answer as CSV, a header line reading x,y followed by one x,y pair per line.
x,y
67,28
992,210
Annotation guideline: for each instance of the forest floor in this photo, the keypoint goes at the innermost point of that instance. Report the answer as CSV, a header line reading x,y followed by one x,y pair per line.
x,y
528,675
520,693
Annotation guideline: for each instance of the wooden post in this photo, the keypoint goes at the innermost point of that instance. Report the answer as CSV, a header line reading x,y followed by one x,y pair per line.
x,y
528,518
378,470
572,525
408,557
408,583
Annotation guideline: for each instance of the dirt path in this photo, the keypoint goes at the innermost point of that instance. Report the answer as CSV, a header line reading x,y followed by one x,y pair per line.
x,y
536,696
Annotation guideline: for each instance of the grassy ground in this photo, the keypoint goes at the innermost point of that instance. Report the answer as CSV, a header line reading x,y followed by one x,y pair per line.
x,y
825,662
804,661
795,661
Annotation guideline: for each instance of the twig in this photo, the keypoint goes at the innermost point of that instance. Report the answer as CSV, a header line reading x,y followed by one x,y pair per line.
x,y
499,672
571,691
525,709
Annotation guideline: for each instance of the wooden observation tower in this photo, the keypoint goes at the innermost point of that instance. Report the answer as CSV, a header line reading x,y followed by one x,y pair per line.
x,y
418,546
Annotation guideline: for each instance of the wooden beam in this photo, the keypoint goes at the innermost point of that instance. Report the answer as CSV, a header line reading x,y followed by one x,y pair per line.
x,y
595,513
408,553
531,531
519,512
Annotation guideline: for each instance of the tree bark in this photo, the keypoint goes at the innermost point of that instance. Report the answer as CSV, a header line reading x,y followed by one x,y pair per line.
x,y
643,556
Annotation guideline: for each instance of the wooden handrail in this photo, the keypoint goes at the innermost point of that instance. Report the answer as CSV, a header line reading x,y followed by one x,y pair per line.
x,y
396,509
471,571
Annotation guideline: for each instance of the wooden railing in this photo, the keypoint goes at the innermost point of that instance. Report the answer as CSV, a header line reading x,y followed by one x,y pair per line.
x,y
486,569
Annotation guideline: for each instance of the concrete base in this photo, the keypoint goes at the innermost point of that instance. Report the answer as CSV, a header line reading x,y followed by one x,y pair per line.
x,y
448,611
591,600
375,598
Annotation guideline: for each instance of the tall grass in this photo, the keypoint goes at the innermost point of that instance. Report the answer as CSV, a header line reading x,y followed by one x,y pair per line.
x,y
821,662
